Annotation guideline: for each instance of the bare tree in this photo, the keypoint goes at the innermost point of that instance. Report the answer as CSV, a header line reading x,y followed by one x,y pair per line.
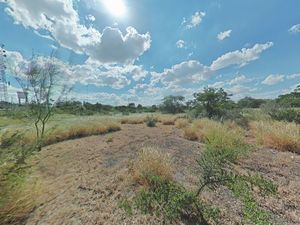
x,y
46,89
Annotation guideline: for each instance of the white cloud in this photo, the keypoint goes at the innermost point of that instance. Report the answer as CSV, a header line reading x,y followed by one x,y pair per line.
x,y
61,21
240,57
116,77
295,29
90,18
114,47
180,44
273,79
238,80
225,34
218,84
183,73
194,21
293,76
240,89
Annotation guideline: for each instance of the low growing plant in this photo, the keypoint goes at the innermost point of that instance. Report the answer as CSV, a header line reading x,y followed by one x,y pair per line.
x,y
150,121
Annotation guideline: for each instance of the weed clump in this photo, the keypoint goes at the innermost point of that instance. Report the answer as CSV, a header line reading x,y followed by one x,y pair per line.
x,y
150,121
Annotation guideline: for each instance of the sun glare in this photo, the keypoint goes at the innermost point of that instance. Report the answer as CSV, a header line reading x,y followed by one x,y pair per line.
x,y
115,7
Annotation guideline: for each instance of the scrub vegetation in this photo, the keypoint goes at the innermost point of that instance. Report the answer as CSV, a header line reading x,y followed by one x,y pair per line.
x,y
174,159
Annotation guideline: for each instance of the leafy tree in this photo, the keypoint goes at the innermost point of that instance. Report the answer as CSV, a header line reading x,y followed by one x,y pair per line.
x,y
290,100
249,102
172,104
213,102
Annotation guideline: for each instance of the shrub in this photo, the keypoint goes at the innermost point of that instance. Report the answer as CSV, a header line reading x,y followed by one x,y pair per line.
x,y
237,117
278,135
165,198
152,161
289,115
150,121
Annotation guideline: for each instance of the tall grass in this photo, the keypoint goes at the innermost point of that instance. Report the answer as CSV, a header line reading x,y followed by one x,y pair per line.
x,y
282,136
19,196
151,161
218,134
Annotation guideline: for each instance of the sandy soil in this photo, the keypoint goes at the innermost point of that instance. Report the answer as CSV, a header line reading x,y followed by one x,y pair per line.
x,y
85,179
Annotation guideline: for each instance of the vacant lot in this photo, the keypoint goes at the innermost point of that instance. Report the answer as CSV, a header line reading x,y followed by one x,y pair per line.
x,y
83,181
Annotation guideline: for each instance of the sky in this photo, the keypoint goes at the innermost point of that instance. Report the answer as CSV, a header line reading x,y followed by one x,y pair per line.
x,y
121,51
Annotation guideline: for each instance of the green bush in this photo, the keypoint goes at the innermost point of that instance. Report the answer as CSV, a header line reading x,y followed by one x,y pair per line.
x,y
289,115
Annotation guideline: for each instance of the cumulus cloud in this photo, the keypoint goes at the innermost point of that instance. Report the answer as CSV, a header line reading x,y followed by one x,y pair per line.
x,y
240,57
223,35
295,29
61,20
273,79
180,44
115,77
114,47
194,21
186,72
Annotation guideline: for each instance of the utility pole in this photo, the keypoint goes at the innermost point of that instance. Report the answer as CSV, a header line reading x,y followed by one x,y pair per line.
x,y
3,82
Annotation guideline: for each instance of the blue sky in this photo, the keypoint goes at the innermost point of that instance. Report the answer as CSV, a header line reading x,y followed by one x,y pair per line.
x,y
119,51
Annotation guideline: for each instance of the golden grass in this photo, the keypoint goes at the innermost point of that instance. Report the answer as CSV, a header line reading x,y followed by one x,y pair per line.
x,y
152,161
181,123
282,136
78,131
64,130
190,133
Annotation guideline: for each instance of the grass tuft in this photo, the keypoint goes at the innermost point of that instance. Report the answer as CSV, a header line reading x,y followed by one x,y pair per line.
x,y
152,161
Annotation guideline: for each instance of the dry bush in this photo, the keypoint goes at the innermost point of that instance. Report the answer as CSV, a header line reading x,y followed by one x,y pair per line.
x,y
181,123
152,161
282,136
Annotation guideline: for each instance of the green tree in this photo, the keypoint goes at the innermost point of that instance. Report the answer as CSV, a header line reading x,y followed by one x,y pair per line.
x,y
290,100
249,102
172,104
213,102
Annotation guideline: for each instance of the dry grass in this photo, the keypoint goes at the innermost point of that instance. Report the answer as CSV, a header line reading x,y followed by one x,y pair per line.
x,y
181,123
132,120
282,136
83,130
152,161
216,133
190,133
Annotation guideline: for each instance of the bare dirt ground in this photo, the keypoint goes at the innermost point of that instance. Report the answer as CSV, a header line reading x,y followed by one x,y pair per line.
x,y
84,180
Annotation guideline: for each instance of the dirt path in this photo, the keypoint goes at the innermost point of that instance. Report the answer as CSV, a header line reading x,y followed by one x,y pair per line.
x,y
84,180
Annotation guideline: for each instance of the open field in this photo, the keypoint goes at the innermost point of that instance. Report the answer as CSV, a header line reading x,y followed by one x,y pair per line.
x,y
89,180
